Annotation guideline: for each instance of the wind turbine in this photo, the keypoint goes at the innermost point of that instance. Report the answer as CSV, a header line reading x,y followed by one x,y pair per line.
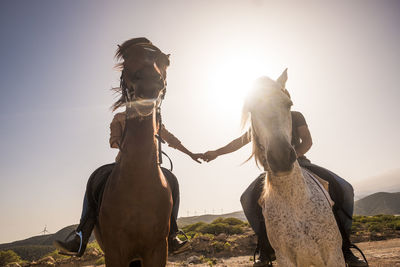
x,y
44,230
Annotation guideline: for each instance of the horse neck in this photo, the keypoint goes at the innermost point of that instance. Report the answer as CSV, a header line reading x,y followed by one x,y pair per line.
x,y
291,187
139,153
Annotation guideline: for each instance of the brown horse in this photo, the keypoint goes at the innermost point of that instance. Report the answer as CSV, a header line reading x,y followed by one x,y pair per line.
x,y
134,216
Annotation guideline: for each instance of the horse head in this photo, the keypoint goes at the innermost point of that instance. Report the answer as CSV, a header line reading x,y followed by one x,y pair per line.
x,y
268,108
143,77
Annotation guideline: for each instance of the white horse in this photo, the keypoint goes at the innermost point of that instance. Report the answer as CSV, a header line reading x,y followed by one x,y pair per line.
x,y
298,215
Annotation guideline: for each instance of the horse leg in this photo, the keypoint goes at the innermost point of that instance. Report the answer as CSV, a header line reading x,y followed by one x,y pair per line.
x,y
285,262
113,259
335,259
157,257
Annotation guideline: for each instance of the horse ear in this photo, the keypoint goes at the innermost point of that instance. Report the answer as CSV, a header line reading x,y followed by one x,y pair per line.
x,y
282,79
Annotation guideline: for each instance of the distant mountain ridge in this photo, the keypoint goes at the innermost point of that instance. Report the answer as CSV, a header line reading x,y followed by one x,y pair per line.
x,y
40,240
378,203
208,218
35,247
385,182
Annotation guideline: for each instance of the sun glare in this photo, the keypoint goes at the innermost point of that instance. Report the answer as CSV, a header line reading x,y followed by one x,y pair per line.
x,y
230,81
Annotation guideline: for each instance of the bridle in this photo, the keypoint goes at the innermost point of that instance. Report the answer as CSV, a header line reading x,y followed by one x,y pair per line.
x,y
131,98
261,148
268,170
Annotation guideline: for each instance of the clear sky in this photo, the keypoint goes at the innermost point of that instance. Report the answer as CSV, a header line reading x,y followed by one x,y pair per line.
x,y
56,71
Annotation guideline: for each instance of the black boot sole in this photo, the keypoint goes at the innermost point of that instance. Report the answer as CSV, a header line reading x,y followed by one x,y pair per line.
x,y
184,248
62,250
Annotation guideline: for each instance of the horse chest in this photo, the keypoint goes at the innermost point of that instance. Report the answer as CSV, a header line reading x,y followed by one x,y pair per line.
x,y
300,227
141,202
284,219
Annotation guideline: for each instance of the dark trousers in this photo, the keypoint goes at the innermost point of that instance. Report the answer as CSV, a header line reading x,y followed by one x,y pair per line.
x,y
96,187
340,191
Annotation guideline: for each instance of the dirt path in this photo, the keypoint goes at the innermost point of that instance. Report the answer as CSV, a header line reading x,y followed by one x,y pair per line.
x,y
384,253
379,254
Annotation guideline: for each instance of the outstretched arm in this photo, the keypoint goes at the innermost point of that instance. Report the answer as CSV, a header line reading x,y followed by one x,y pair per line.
x,y
229,148
175,143
194,156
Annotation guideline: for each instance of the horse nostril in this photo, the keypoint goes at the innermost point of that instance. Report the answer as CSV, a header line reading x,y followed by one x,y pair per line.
x,y
270,158
293,155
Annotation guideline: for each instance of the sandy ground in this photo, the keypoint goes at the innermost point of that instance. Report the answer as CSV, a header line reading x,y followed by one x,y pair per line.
x,y
379,254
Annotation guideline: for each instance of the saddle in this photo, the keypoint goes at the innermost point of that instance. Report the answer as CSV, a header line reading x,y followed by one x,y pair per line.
x,y
335,189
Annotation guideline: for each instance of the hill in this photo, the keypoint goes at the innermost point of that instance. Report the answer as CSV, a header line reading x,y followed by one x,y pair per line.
x,y
378,203
385,182
208,218
35,247
229,238
41,240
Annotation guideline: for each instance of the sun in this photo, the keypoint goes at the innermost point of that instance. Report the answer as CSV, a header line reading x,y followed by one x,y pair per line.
x,y
230,80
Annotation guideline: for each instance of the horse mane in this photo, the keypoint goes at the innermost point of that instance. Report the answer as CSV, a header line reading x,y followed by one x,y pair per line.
x,y
122,49
258,90
255,152
119,55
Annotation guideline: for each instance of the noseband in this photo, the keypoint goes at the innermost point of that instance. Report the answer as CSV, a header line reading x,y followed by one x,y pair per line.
x,y
129,91
131,98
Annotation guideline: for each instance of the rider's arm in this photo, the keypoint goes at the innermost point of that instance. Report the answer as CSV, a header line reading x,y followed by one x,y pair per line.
x,y
116,129
302,132
229,148
175,143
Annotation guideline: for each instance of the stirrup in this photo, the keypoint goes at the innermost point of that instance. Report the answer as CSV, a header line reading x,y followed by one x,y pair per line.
x,y
80,244
269,262
185,246
182,233
359,250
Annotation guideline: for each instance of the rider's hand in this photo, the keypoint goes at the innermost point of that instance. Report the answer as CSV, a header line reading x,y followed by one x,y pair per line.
x,y
209,156
196,157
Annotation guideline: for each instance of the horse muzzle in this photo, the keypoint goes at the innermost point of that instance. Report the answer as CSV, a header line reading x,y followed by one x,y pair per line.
x,y
148,89
281,160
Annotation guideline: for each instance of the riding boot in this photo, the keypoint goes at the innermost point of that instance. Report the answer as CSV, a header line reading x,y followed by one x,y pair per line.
x,y
77,245
350,259
175,244
266,253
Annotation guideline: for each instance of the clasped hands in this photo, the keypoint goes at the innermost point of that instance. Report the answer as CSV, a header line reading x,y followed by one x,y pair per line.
x,y
207,156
